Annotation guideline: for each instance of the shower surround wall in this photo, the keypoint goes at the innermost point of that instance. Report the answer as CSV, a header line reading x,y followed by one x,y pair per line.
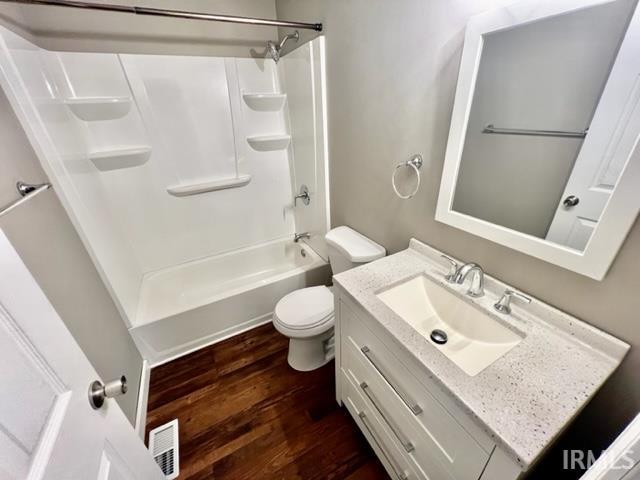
x,y
164,163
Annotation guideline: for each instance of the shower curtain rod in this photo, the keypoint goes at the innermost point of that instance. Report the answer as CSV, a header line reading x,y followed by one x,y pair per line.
x,y
162,12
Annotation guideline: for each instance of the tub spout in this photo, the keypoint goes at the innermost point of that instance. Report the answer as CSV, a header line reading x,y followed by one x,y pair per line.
x,y
299,236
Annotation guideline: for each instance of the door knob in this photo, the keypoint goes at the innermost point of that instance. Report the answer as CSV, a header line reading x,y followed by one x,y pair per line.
x,y
571,201
98,391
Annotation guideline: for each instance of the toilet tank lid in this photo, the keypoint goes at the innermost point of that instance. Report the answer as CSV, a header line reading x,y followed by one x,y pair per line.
x,y
353,245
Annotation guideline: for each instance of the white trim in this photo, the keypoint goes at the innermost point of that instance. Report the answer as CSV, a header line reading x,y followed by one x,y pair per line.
x,y
323,133
624,204
143,400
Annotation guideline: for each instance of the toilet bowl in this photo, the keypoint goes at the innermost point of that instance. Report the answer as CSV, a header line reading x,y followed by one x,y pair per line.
x,y
306,316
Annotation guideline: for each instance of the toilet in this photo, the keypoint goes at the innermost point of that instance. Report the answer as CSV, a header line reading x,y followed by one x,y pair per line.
x,y
306,316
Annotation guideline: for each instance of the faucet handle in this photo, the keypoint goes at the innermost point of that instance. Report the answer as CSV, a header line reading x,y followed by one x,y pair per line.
x,y
504,304
303,195
453,268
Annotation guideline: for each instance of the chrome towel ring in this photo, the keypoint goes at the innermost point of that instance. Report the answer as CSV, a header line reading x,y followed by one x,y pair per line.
x,y
415,162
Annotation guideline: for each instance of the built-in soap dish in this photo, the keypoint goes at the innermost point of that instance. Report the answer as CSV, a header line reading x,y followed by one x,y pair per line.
x,y
265,102
267,143
90,109
115,158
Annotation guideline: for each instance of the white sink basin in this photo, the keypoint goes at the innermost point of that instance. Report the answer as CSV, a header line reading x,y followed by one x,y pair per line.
x,y
475,340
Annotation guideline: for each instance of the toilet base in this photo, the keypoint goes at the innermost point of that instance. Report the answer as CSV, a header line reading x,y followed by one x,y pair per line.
x,y
306,354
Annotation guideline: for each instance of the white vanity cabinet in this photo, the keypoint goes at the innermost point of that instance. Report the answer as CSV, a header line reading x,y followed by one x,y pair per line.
x,y
424,414
414,428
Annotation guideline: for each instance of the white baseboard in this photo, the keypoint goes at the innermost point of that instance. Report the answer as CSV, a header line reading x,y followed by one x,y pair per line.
x,y
143,399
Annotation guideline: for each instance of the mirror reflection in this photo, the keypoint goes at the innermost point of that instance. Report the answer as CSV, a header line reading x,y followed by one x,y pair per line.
x,y
525,163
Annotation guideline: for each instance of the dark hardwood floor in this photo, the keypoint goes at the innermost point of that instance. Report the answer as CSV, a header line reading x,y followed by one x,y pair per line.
x,y
245,414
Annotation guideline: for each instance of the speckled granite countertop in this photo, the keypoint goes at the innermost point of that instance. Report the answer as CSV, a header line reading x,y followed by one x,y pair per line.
x,y
526,397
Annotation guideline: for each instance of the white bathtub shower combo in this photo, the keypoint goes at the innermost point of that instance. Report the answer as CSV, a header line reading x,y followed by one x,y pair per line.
x,y
179,173
193,304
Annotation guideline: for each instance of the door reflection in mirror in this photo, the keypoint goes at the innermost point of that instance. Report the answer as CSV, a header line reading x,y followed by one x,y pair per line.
x,y
537,88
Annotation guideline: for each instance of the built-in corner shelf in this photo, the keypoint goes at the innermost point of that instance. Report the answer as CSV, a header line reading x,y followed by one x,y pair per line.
x,y
265,102
186,190
92,109
268,143
120,157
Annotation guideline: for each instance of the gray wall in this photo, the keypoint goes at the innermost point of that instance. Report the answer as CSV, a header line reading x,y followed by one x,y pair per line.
x,y
544,75
392,69
56,28
48,244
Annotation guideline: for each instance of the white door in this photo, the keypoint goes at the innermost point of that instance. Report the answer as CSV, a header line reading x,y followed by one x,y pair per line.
x,y
48,430
606,148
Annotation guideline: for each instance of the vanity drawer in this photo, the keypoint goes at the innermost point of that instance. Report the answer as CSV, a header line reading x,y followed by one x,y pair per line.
x,y
415,447
439,441
378,434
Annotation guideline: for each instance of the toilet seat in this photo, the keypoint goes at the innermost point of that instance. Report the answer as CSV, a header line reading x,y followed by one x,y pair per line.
x,y
305,312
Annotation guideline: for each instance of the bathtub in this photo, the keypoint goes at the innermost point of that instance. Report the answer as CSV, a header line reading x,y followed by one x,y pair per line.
x,y
188,306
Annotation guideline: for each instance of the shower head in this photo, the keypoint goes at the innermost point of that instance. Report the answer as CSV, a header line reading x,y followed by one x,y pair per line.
x,y
274,49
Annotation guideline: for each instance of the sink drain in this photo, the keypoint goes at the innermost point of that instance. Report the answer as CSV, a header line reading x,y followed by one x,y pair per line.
x,y
439,336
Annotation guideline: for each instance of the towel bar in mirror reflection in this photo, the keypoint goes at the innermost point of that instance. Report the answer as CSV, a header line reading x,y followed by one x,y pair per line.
x,y
535,133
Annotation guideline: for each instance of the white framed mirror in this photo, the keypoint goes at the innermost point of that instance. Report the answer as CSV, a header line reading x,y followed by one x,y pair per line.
x,y
543,153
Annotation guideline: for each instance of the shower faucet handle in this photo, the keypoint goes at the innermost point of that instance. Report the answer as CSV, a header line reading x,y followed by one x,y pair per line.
x,y
303,195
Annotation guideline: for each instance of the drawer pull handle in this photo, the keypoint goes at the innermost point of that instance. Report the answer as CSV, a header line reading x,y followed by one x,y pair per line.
x,y
411,405
406,444
402,475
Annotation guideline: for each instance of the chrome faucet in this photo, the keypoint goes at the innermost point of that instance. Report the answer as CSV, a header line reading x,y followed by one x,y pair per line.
x,y
476,289
299,236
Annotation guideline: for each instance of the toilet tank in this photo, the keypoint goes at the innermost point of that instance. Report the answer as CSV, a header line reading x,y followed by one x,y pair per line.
x,y
348,249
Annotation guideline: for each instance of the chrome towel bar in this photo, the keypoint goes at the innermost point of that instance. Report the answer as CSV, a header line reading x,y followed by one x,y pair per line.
x,y
27,191
536,133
